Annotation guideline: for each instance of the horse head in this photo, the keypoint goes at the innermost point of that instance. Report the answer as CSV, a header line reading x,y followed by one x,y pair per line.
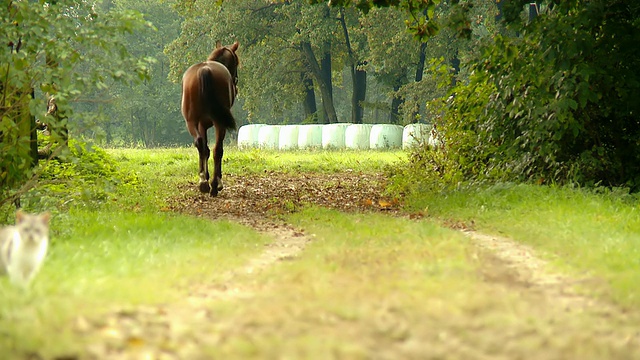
x,y
226,55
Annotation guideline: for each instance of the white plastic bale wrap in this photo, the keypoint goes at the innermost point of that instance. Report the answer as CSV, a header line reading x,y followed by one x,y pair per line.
x,y
288,138
248,136
333,136
268,136
385,136
356,136
415,134
309,136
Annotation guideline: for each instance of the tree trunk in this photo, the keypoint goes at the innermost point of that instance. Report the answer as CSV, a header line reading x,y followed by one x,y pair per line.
x,y
108,134
27,124
358,77
325,70
499,5
421,61
320,75
359,95
394,114
310,109
419,74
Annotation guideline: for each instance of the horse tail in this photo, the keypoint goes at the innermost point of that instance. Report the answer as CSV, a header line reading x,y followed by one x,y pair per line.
x,y
208,91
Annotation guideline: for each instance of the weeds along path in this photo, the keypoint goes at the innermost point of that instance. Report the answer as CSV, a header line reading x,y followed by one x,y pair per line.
x,y
182,330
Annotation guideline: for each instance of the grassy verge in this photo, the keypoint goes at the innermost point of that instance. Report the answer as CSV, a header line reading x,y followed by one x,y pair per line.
x,y
585,231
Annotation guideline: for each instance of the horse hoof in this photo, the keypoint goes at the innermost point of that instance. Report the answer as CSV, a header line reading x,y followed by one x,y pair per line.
x,y
220,187
213,192
204,187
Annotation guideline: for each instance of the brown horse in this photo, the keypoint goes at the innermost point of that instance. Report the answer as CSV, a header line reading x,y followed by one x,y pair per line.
x,y
208,92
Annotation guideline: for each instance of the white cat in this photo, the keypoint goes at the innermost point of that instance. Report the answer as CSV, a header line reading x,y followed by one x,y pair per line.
x,y
23,247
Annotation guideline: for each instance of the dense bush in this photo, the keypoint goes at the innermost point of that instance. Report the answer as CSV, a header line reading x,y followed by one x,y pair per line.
x,y
558,103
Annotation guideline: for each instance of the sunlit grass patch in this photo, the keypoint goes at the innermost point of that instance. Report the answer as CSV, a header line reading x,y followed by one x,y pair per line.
x,y
323,161
161,166
184,161
114,243
594,232
164,168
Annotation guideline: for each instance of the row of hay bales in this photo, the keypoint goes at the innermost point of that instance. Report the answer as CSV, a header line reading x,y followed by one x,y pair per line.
x,y
333,136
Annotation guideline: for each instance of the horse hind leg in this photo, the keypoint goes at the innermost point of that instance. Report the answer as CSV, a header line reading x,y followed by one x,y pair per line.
x,y
218,151
204,153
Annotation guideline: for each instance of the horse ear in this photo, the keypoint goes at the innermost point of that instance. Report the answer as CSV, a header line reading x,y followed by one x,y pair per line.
x,y
218,44
234,47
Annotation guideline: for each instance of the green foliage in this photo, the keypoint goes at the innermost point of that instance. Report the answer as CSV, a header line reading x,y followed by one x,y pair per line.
x,y
270,36
556,104
428,171
63,49
87,177
273,90
423,24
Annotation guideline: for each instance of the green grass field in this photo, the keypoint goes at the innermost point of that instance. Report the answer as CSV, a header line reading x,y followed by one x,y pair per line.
x,y
115,245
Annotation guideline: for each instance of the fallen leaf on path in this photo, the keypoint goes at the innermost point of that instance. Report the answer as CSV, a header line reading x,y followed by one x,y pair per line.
x,y
135,342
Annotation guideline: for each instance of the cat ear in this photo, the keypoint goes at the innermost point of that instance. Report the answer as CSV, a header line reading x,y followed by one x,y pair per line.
x,y
46,217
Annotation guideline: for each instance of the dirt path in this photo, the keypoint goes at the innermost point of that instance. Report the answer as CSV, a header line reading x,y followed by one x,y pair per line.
x,y
170,332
